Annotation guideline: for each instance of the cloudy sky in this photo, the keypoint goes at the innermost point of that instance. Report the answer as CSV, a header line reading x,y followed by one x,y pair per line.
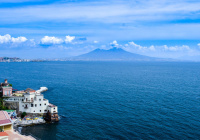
x,y
63,28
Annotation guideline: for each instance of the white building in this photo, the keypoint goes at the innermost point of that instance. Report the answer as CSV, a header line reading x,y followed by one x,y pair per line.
x,y
33,102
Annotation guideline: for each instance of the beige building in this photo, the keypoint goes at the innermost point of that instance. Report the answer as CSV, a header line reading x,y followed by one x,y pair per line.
x,y
5,121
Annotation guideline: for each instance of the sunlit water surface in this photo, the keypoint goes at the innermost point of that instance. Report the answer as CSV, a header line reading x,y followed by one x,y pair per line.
x,y
114,100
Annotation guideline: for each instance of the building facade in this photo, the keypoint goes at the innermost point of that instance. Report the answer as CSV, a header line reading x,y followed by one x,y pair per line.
x,y
32,102
5,121
6,89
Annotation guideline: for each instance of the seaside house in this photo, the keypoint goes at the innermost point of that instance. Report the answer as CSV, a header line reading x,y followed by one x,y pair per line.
x,y
30,101
5,121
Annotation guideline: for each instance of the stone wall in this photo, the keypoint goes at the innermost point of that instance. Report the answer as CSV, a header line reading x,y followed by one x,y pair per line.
x,y
12,105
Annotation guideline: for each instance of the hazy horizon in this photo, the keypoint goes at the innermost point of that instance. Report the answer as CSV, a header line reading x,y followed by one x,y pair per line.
x,y
64,28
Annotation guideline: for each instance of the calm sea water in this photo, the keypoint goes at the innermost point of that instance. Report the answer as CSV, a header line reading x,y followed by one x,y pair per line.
x,y
114,100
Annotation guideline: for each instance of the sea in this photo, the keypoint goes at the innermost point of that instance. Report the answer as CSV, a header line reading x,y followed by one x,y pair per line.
x,y
114,100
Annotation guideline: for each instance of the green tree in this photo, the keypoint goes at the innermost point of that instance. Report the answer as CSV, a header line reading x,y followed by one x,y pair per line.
x,y
2,107
1,103
23,115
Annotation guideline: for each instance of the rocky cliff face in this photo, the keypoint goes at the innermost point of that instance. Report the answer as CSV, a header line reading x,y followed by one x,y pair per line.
x,y
12,105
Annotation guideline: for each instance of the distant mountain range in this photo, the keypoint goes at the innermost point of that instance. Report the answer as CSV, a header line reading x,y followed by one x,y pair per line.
x,y
114,54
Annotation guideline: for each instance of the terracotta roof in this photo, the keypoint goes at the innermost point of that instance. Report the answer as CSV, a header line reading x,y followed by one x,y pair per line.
x,y
51,105
3,134
4,118
30,90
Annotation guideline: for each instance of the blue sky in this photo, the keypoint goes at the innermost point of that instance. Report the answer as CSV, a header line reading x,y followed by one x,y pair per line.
x,y
63,28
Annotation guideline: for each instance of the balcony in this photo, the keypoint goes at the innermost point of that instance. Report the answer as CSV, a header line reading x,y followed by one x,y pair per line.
x,y
28,101
26,107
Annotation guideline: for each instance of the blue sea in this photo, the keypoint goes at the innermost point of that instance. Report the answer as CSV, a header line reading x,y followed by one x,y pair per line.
x,y
114,100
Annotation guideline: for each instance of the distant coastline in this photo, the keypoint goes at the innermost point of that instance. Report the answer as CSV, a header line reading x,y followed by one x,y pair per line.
x,y
113,54
16,59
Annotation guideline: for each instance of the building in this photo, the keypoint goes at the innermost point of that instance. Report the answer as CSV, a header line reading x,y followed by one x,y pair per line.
x,y
5,121
3,136
18,93
31,102
6,89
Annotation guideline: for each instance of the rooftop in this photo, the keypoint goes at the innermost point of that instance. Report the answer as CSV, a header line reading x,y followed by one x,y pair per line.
x,y
3,134
29,90
51,105
4,118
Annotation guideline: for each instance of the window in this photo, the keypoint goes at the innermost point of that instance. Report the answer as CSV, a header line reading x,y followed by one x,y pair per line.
x,y
22,100
31,105
22,105
54,108
45,110
34,111
40,105
39,99
40,110
45,104
35,105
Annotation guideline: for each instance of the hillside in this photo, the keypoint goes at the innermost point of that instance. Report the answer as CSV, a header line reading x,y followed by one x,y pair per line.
x,y
113,54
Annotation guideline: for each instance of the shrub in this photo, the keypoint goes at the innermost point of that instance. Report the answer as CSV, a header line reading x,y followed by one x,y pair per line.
x,y
23,115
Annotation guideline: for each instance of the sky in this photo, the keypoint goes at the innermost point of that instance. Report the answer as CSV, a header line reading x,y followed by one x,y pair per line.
x,y
36,29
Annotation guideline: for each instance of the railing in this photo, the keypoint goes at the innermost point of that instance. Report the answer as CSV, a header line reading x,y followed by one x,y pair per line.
x,y
30,101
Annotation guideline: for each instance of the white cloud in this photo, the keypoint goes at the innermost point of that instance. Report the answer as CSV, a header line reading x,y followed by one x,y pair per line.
x,y
5,39
69,39
176,48
96,41
152,48
163,51
8,39
51,40
136,45
114,43
139,47
113,10
198,45
32,43
19,39
158,48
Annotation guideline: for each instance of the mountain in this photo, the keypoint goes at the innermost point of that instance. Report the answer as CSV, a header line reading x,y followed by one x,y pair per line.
x,y
113,54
